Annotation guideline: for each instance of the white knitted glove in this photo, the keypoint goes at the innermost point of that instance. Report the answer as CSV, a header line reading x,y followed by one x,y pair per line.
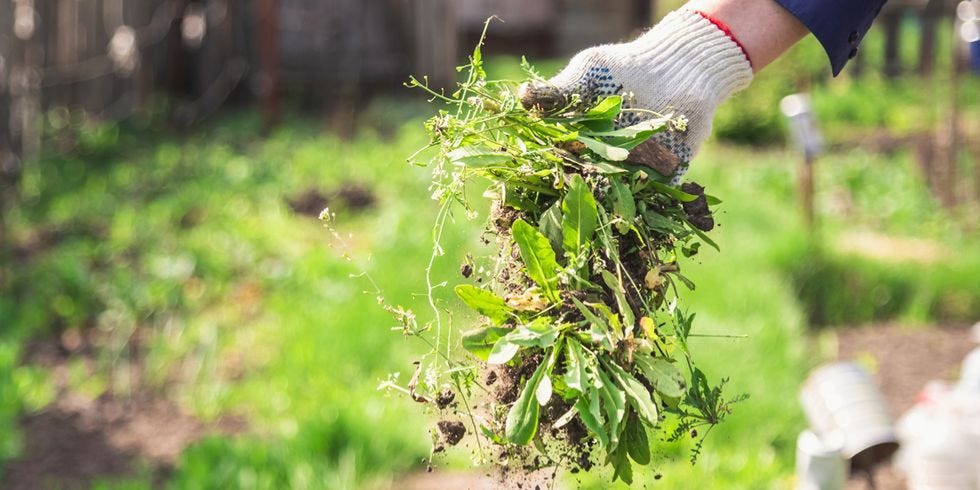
x,y
686,65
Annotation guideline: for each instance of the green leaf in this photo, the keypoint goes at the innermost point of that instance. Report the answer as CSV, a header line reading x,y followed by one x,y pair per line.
x,y
637,394
664,376
614,404
579,216
550,225
622,468
607,108
474,156
589,412
576,375
636,440
704,237
522,419
672,192
484,302
503,351
480,341
624,205
591,317
605,150
538,256
542,332
661,223
614,284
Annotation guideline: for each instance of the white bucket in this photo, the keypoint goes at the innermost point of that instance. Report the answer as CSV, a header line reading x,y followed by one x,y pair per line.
x,y
819,465
842,403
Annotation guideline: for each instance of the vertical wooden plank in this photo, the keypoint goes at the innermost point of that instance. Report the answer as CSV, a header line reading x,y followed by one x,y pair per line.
x,y
891,23
268,19
8,162
435,41
929,17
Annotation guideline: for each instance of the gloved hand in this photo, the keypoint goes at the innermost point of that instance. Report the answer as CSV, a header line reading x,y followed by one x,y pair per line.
x,y
686,64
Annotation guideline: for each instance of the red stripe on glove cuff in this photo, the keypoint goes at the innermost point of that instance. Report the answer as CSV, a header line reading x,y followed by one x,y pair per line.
x,y
728,32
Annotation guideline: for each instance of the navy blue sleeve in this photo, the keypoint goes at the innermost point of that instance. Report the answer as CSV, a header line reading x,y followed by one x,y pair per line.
x,y
839,25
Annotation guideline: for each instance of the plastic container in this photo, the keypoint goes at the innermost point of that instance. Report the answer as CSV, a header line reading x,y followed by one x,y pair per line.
x,y
938,450
819,464
845,407
970,373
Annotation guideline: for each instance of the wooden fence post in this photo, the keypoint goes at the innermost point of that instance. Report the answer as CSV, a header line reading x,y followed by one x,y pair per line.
x,y
268,13
891,22
929,17
435,42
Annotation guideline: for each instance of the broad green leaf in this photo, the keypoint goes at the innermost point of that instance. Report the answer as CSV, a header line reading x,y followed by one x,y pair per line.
x,y
614,284
589,411
576,376
614,404
484,302
605,150
480,341
624,205
474,156
637,394
579,216
502,352
622,468
541,332
661,223
538,256
636,440
522,420
607,108
550,225
664,376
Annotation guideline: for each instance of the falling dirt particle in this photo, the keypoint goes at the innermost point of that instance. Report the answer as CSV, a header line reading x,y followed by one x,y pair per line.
x,y
657,476
445,398
466,270
694,433
491,378
452,431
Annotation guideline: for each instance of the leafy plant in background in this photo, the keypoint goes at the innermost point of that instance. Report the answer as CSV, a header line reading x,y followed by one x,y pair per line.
x,y
580,306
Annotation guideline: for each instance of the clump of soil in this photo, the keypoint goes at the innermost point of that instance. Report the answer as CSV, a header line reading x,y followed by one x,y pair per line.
x,y
452,431
445,398
697,210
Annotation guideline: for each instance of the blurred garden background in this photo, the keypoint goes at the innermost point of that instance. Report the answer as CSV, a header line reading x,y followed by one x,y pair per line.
x,y
173,314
